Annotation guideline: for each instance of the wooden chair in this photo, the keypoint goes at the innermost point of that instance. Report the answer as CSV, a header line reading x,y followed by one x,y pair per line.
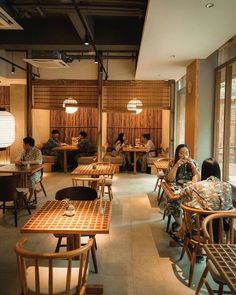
x,y
41,188
108,182
194,237
9,193
81,193
52,273
214,230
161,166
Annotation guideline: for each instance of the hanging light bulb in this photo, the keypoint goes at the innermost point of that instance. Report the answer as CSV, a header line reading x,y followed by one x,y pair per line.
x,y
86,39
7,127
96,59
135,105
71,105
13,69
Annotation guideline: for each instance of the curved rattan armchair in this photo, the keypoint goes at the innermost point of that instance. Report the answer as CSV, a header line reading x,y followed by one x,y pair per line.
x,y
217,228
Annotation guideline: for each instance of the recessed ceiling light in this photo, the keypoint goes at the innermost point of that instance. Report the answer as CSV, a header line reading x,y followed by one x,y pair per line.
x,y
173,55
209,5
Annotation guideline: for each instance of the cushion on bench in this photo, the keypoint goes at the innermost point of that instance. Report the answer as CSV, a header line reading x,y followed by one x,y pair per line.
x,y
84,160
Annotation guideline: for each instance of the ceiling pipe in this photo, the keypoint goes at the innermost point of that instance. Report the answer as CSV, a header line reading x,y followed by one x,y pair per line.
x,y
90,38
19,67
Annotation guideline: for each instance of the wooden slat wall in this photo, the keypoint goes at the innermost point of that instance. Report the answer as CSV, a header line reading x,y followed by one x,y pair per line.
x,y
153,94
70,125
149,121
5,103
50,94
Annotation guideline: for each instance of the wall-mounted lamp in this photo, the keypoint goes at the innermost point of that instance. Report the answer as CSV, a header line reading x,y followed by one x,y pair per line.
x,y
135,105
7,127
70,105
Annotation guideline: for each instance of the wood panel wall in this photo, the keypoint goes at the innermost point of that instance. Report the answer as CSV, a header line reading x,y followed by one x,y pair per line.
x,y
192,96
149,121
50,94
5,103
153,94
70,125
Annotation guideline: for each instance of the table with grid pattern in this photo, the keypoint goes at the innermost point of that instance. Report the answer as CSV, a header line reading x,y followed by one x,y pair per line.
x,y
95,169
88,218
161,165
223,257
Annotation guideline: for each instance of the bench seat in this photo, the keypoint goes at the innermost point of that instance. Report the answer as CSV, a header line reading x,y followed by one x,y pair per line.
x,y
117,160
48,163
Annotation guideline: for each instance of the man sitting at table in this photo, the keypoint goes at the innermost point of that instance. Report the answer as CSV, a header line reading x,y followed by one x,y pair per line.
x,y
84,146
150,151
30,155
53,142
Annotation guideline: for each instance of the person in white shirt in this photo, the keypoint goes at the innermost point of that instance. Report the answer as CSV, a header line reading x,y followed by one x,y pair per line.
x,y
150,151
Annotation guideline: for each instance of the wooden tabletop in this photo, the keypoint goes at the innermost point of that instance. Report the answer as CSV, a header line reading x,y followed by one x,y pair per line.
x,y
169,192
12,168
95,169
87,219
67,148
223,257
140,149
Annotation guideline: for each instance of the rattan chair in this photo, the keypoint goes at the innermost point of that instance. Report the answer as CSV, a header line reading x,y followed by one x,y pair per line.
x,y
194,237
53,273
79,193
161,166
9,193
217,230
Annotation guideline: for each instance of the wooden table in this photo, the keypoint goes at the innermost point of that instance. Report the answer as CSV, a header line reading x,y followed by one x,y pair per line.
x,y
134,150
169,192
65,149
87,220
223,257
22,170
101,169
161,165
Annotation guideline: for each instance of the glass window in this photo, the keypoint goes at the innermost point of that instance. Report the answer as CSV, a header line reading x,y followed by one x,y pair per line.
x,y
232,146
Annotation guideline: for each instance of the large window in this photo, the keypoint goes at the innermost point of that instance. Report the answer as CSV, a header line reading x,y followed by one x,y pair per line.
x,y
225,123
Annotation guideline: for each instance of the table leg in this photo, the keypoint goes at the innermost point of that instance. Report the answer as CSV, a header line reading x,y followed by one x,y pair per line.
x,y
65,161
135,163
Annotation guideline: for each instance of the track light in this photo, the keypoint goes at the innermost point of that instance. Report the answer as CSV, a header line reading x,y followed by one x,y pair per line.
x,y
13,69
86,39
96,59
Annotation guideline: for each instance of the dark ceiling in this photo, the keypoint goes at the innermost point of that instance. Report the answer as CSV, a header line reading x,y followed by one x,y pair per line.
x,y
114,26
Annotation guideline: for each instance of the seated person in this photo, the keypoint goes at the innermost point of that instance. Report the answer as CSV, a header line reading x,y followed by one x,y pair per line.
x,y
30,155
117,151
208,194
150,151
181,169
84,146
52,143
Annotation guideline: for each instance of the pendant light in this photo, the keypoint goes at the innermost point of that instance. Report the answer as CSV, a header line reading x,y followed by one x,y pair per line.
x,y
135,105
70,105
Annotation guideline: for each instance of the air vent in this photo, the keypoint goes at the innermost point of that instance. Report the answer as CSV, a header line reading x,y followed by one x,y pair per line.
x,y
47,63
7,22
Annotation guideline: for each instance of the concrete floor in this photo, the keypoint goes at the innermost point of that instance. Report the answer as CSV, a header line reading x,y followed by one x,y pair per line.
x,y
134,259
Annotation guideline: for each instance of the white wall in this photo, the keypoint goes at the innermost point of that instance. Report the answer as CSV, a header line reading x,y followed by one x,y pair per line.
x,y
206,108
41,125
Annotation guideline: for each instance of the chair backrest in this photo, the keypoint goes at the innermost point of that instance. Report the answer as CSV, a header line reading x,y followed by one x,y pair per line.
x,y
193,219
81,193
96,183
8,185
219,228
52,273
162,163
